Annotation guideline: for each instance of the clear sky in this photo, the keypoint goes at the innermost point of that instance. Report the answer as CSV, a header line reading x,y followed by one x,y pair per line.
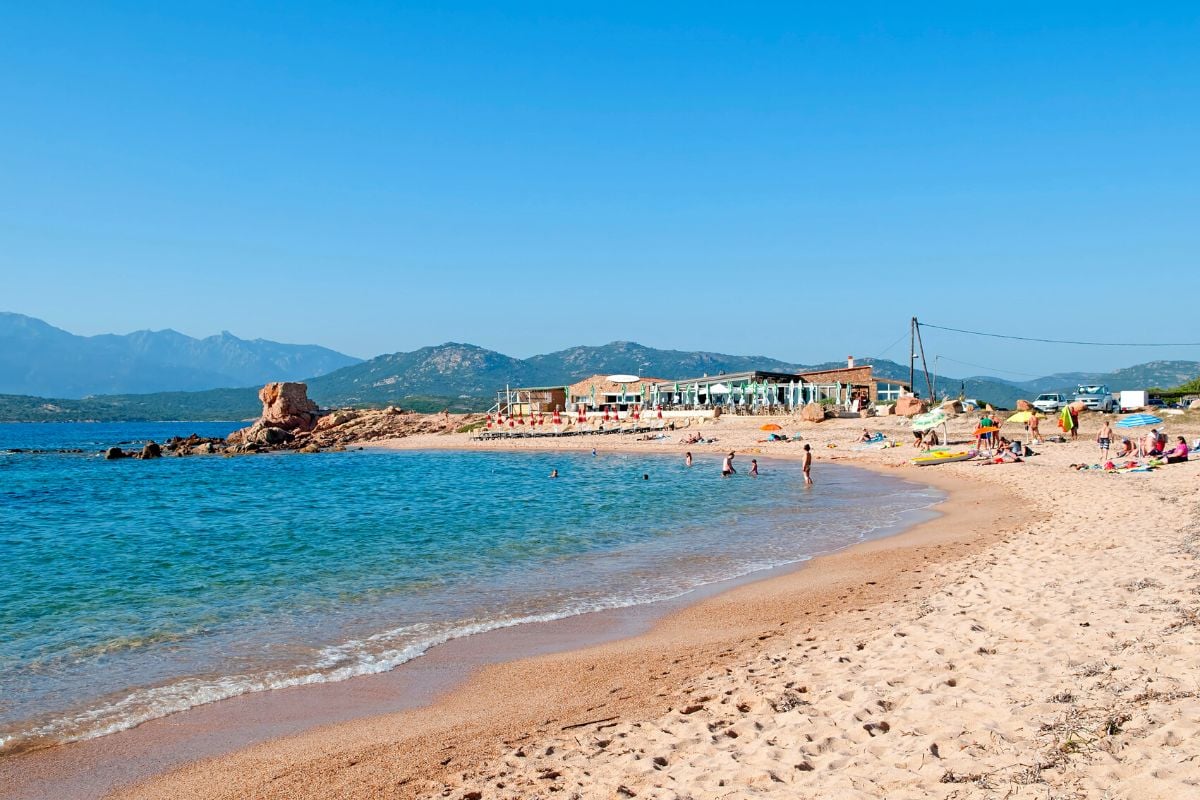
x,y
794,180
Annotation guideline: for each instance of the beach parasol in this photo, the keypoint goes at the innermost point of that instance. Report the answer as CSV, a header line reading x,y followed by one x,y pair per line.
x,y
770,426
923,422
987,429
1021,416
1139,421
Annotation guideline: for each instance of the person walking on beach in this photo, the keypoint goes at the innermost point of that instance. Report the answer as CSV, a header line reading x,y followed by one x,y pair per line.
x,y
1104,439
1033,429
806,465
754,468
687,459
727,466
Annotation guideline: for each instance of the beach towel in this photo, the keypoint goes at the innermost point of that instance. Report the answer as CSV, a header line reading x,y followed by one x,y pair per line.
x,y
1066,420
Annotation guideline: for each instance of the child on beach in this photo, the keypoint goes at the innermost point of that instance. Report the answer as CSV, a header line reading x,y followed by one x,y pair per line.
x,y
806,465
1104,439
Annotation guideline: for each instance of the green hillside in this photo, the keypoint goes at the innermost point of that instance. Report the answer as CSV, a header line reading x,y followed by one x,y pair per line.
x,y
465,377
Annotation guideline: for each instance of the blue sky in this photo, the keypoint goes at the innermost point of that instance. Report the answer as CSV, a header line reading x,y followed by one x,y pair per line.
x,y
795,180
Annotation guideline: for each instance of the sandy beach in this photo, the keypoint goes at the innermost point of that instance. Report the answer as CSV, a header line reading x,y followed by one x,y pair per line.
x,y
1041,638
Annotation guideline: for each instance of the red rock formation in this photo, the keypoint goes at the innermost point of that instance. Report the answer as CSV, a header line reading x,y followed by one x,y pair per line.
x,y
286,405
910,407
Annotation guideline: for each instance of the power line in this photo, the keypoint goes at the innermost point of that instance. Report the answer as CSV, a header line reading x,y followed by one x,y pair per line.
x,y
1061,341
887,349
985,366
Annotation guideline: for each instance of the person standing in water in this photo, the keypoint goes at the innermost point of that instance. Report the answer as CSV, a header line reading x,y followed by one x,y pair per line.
x,y
727,466
687,459
754,468
806,465
553,473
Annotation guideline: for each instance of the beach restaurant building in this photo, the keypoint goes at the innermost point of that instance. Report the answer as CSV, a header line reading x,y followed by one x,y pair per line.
x,y
598,393
752,392
755,391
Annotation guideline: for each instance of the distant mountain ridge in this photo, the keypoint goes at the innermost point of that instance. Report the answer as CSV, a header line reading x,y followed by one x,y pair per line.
x,y
37,358
462,377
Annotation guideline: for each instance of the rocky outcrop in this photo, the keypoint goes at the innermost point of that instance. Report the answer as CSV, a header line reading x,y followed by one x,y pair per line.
x,y
1024,405
286,410
952,408
286,406
910,407
291,421
813,412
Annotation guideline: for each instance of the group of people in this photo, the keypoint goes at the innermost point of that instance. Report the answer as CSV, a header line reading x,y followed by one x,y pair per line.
x,y
1153,445
727,469
926,439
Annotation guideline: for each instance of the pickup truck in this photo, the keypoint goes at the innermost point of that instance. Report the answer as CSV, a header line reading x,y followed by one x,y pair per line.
x,y
1050,402
1096,398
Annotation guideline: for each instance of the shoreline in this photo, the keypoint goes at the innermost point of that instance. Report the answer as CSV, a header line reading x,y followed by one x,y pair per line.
x,y
1044,631
163,744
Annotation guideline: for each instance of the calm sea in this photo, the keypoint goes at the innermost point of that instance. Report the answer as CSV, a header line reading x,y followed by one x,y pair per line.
x,y
134,589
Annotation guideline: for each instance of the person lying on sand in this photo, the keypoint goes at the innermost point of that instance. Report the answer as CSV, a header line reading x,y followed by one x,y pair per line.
x,y
1003,457
866,436
1126,449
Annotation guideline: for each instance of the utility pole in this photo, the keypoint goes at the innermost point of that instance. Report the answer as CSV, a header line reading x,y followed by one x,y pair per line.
x,y
912,355
924,363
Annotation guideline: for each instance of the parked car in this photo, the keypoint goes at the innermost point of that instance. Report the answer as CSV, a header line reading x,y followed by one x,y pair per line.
x,y
1050,402
1155,402
1095,398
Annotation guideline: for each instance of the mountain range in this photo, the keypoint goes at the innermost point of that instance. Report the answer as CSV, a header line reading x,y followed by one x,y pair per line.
x,y
37,358
453,376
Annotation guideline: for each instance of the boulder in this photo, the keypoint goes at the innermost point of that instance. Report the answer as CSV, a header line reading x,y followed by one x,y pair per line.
x,y
113,453
813,412
286,406
1024,405
910,406
267,434
335,418
952,407
151,450
1194,405
310,448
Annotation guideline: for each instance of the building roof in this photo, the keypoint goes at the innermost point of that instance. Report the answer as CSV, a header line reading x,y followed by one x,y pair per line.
x,y
604,386
755,375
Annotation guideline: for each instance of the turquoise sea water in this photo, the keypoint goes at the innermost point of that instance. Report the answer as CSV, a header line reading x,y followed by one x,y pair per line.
x,y
134,589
